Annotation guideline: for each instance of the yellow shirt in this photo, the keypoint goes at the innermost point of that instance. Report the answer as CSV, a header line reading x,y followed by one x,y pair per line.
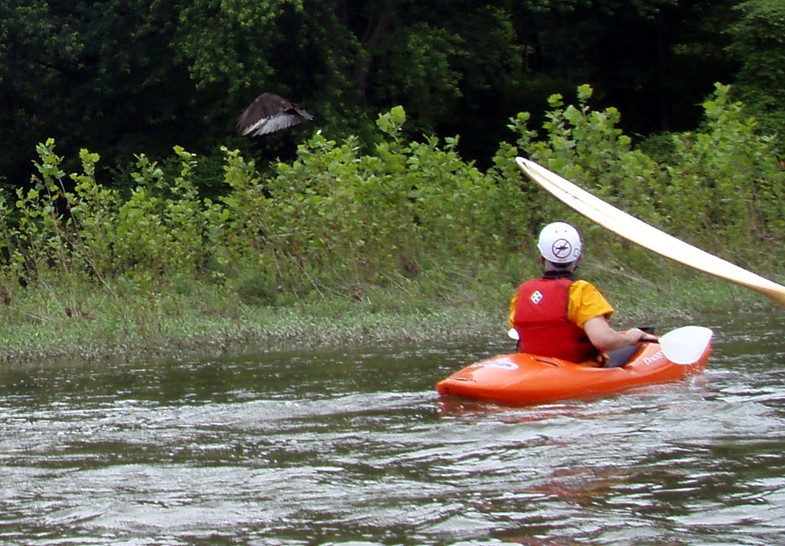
x,y
585,303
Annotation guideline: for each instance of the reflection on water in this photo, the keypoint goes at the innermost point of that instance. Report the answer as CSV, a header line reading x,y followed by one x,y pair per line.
x,y
355,446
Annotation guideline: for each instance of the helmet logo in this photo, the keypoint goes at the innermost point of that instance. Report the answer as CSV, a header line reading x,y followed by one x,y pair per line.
x,y
561,249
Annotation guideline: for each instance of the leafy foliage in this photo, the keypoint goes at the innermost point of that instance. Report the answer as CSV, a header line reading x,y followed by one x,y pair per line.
x,y
758,43
719,189
409,216
126,77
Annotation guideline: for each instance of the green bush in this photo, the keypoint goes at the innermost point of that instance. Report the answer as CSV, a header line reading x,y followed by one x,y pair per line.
x,y
409,218
721,188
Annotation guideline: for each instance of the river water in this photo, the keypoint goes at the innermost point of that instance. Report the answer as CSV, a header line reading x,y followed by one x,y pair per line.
x,y
355,447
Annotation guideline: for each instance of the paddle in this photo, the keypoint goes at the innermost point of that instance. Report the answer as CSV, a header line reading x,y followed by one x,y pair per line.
x,y
645,235
683,345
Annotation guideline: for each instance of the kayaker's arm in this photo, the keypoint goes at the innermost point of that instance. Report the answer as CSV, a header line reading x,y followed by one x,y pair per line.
x,y
605,338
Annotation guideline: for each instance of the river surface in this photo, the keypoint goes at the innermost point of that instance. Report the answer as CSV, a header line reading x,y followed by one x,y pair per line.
x,y
355,447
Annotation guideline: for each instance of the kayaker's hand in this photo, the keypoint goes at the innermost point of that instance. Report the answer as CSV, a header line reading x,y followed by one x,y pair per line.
x,y
606,339
636,335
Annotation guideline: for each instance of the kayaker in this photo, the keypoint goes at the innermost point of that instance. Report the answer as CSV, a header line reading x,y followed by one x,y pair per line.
x,y
561,317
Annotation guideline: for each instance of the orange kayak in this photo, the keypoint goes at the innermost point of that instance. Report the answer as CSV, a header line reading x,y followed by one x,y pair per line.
x,y
521,378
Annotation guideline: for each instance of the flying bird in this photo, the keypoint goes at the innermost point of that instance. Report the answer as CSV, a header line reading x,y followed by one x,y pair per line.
x,y
270,113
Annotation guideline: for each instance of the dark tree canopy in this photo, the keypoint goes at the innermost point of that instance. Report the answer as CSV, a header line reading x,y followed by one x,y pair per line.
x,y
123,77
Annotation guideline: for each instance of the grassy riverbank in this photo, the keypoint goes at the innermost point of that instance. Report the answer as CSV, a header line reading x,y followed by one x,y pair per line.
x,y
401,243
172,323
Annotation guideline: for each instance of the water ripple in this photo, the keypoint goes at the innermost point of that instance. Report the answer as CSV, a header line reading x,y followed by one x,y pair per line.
x,y
356,448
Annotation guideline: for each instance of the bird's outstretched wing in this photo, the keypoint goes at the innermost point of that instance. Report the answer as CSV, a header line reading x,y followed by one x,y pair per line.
x,y
270,113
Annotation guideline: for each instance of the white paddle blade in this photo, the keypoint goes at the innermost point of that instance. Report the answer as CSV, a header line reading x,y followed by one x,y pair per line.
x,y
513,334
686,345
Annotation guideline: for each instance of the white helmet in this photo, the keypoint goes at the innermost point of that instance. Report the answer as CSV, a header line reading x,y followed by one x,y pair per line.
x,y
560,243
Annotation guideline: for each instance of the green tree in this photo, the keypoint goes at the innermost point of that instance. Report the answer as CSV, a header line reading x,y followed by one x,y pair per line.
x,y
759,44
126,77
346,61
35,55
97,74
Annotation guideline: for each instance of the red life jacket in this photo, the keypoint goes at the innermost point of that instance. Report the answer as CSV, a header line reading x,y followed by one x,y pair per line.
x,y
543,325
